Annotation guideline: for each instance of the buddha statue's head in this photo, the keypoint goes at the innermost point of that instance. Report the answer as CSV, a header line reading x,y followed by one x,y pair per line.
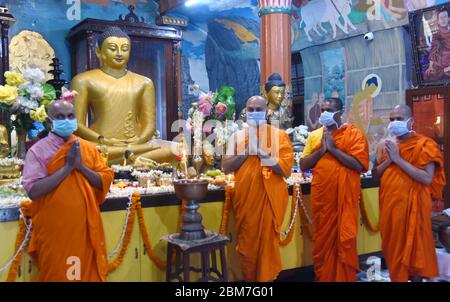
x,y
113,48
274,91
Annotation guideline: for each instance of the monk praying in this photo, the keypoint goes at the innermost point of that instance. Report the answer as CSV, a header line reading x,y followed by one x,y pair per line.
x,y
337,158
411,173
67,180
260,155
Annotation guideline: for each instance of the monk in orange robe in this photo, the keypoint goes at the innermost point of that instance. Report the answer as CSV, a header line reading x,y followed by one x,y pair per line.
x,y
337,163
411,172
67,180
260,156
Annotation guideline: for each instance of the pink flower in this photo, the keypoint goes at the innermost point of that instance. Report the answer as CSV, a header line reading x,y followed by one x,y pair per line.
x,y
206,97
68,96
221,108
205,108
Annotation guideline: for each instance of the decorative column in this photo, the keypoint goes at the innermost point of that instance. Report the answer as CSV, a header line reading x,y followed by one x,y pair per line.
x,y
275,39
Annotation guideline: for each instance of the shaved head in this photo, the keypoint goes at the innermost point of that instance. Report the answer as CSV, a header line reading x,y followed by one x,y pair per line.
x,y
405,110
61,110
400,113
258,101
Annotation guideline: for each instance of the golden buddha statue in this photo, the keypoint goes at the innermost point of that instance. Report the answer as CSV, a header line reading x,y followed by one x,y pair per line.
x,y
274,92
4,145
118,104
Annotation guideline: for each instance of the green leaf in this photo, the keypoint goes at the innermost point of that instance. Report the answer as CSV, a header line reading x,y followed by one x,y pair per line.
x,y
226,91
49,92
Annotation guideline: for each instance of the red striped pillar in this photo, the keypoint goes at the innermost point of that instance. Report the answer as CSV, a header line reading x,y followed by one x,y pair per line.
x,y
275,38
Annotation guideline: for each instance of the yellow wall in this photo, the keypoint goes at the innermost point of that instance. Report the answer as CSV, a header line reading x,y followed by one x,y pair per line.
x,y
163,220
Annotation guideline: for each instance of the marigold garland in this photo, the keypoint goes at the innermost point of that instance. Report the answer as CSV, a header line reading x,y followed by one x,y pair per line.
x,y
161,264
126,240
365,217
290,235
25,206
226,210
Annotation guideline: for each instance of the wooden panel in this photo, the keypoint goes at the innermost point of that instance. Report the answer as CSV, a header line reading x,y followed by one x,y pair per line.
x,y
418,94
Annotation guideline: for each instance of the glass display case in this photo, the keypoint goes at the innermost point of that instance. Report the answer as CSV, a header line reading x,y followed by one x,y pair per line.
x,y
431,109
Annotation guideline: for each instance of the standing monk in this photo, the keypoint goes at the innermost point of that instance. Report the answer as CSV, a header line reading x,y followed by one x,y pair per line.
x,y
411,172
67,180
337,163
261,156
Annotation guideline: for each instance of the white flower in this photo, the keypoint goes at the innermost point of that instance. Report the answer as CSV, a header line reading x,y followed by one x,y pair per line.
x,y
35,91
34,75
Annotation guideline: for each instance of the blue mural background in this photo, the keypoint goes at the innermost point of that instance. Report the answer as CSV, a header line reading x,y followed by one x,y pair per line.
x,y
49,18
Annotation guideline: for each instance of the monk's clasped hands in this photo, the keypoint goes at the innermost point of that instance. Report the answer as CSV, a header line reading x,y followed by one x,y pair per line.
x,y
392,151
74,159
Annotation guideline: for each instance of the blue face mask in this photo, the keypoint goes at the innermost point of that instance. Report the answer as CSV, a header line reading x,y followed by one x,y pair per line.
x,y
398,128
327,119
256,116
64,128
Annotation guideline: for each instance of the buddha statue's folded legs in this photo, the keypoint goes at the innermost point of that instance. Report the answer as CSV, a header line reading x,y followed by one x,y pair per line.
x,y
158,151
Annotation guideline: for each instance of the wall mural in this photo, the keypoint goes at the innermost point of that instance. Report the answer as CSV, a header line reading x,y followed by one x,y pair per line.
x,y
316,21
53,18
221,46
334,67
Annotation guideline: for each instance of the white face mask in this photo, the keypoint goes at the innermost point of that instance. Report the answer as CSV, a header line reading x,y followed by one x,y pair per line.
x,y
398,128
327,119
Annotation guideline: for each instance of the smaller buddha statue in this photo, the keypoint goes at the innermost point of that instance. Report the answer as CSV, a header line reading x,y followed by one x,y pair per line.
x,y
278,106
209,156
4,145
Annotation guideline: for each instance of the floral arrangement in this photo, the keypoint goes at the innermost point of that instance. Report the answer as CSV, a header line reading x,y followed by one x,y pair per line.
x,y
223,132
219,105
27,97
299,133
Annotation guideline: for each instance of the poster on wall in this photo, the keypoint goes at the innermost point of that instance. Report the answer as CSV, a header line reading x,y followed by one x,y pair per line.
x,y
334,69
430,30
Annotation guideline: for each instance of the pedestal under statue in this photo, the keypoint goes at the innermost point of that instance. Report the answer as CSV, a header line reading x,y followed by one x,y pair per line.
x,y
118,104
278,112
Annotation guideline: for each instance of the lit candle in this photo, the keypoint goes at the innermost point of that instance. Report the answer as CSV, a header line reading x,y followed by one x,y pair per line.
x,y
230,180
185,164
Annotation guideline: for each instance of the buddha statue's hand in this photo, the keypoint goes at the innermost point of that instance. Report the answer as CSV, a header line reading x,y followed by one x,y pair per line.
x,y
115,142
136,140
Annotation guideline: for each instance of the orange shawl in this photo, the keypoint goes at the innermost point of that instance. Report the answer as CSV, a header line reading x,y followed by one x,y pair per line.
x,y
405,207
335,193
67,221
259,202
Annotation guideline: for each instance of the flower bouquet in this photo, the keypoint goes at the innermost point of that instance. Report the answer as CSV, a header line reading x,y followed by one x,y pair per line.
x,y
219,105
26,98
299,134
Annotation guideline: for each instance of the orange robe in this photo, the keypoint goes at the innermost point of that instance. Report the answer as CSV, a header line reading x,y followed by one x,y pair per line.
x,y
335,193
405,207
259,203
67,221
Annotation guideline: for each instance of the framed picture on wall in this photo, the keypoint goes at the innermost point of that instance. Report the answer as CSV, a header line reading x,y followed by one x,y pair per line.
x,y
430,37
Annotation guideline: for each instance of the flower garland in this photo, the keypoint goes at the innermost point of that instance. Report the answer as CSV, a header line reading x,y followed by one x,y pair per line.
x,y
226,210
25,225
125,238
294,209
365,217
151,254
125,227
305,219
